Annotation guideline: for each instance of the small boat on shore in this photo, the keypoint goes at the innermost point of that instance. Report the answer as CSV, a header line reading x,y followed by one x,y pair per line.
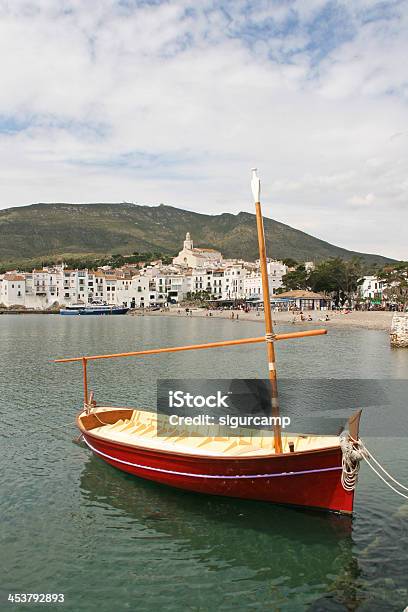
x,y
93,309
300,469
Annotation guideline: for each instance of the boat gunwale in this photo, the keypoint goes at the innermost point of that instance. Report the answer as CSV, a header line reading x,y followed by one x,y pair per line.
x,y
202,456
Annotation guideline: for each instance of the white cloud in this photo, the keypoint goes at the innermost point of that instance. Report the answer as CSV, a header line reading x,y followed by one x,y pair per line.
x,y
362,200
174,103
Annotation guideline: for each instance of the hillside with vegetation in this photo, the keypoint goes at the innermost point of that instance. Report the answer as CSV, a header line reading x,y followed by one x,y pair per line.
x,y
45,233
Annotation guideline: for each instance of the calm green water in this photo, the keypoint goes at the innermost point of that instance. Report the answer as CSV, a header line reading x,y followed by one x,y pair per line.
x,y
71,524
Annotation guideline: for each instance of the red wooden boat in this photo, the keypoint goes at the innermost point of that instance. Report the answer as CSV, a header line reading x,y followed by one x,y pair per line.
x,y
295,469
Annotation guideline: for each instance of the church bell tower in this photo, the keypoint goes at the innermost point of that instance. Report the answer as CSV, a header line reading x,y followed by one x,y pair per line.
x,y
188,243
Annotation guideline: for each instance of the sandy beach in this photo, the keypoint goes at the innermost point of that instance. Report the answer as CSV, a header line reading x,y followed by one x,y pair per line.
x,y
368,319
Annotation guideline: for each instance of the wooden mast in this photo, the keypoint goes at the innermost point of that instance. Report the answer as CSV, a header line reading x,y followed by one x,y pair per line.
x,y
85,381
269,335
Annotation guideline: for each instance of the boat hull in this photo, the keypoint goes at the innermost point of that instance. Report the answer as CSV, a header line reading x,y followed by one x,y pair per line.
x,y
310,479
94,311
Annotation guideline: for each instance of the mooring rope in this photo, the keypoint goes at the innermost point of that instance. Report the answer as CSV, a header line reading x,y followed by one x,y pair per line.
x,y
386,481
372,458
353,452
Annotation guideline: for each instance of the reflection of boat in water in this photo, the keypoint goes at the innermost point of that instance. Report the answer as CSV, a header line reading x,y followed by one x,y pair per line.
x,y
296,469
93,309
266,542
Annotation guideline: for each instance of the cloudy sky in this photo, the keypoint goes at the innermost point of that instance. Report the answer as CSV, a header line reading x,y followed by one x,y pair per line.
x,y
174,102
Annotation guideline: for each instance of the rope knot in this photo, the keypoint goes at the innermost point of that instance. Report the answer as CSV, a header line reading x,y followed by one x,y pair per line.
x,y
270,337
352,455
91,405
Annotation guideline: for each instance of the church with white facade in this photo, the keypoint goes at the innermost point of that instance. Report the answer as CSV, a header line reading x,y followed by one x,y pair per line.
x,y
190,257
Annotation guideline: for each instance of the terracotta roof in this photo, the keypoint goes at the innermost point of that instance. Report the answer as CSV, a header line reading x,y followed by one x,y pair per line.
x,y
14,277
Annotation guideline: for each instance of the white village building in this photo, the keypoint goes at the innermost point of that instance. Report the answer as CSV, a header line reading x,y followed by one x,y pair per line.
x,y
137,292
253,282
372,288
12,289
233,285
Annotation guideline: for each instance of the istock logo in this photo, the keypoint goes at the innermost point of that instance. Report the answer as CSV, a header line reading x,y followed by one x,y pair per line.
x,y
179,399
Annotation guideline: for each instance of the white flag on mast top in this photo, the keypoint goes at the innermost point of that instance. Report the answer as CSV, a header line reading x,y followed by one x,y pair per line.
x,y
256,185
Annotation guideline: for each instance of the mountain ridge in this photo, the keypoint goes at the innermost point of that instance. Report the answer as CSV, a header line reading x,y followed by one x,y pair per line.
x,y
50,230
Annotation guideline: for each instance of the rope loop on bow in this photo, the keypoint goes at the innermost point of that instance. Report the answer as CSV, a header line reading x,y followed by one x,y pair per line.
x,y
352,455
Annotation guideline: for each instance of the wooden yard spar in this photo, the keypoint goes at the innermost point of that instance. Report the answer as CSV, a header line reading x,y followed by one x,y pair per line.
x,y
188,347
